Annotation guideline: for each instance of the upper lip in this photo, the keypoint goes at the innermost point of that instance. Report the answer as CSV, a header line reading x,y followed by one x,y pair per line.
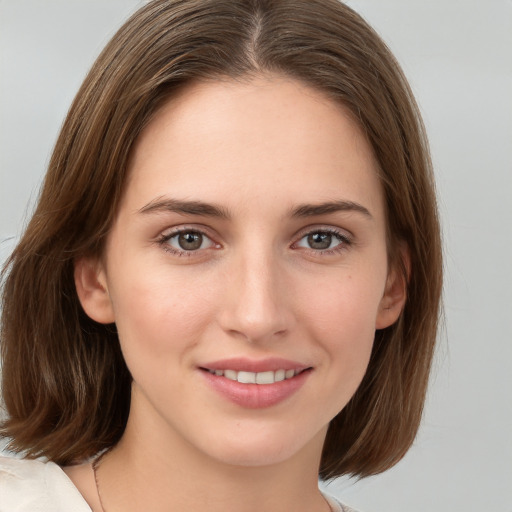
x,y
241,364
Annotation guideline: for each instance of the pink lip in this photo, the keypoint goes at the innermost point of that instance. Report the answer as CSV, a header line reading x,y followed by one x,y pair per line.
x,y
255,396
241,364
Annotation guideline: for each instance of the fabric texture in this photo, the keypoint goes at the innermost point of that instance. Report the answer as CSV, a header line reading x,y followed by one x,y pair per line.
x,y
336,505
35,486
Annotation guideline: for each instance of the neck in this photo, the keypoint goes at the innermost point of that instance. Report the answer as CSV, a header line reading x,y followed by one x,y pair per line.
x,y
164,473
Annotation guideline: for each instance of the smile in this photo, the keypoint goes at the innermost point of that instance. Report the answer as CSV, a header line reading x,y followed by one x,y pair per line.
x,y
255,384
256,390
267,377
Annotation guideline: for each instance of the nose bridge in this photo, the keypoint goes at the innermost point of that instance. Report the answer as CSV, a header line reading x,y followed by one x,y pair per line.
x,y
257,307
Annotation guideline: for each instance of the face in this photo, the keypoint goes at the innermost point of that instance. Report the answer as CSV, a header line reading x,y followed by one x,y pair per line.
x,y
247,270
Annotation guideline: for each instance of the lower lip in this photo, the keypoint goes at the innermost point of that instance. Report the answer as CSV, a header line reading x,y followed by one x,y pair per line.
x,y
256,396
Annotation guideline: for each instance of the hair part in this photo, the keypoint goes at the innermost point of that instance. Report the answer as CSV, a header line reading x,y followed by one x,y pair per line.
x,y
65,385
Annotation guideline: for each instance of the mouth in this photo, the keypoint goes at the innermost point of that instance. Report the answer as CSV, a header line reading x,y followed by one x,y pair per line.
x,y
256,384
262,378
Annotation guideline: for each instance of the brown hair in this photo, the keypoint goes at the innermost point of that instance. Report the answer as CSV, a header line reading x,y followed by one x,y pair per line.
x,y
65,386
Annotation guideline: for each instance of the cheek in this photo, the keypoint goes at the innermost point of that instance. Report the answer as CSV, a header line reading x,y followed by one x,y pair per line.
x,y
344,301
156,315
341,316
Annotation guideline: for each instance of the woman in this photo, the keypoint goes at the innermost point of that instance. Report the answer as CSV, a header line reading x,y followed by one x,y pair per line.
x,y
231,283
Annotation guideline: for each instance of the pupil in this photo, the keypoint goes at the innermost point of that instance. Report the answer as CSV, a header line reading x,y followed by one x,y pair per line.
x,y
190,241
319,240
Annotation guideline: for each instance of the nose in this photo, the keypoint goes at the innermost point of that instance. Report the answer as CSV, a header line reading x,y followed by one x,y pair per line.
x,y
256,304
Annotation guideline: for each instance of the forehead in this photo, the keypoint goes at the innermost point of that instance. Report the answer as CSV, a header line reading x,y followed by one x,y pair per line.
x,y
239,142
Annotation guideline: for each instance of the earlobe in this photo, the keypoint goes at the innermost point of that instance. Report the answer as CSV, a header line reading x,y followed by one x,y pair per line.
x,y
92,290
395,293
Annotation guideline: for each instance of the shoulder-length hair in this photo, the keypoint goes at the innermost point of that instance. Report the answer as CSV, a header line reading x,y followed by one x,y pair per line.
x,y
65,385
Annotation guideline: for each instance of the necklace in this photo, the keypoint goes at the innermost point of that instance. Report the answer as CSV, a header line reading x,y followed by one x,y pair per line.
x,y
95,465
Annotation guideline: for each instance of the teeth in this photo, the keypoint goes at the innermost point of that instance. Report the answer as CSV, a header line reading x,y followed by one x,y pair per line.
x,y
246,377
256,378
265,378
280,375
230,374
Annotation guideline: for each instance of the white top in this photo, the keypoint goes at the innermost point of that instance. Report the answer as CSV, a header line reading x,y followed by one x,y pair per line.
x,y
35,486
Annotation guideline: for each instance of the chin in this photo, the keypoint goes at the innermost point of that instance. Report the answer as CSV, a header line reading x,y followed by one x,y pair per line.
x,y
266,447
257,455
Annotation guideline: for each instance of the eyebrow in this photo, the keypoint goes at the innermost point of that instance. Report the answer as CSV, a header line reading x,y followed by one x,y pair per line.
x,y
312,210
161,205
200,208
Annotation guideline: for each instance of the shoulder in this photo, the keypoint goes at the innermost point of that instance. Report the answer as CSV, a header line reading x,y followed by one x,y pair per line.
x,y
36,486
336,505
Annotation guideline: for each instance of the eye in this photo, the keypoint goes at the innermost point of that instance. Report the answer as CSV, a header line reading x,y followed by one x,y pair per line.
x,y
186,241
323,240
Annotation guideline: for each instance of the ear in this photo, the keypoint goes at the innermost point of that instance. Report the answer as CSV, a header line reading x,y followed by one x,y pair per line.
x,y
92,290
395,293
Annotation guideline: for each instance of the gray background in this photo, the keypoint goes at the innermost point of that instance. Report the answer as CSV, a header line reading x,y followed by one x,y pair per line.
x,y
458,57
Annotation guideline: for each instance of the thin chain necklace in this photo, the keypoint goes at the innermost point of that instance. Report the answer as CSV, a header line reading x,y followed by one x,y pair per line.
x,y
95,465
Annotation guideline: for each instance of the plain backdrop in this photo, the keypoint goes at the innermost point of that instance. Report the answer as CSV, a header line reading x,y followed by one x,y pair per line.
x,y
458,57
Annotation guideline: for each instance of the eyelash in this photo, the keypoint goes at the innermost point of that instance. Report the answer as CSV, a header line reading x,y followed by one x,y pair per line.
x,y
164,240
345,241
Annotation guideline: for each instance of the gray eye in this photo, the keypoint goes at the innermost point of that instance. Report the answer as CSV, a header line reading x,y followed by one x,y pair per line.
x,y
319,240
190,241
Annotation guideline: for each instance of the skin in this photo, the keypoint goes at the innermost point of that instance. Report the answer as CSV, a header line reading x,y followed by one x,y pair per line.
x,y
260,285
